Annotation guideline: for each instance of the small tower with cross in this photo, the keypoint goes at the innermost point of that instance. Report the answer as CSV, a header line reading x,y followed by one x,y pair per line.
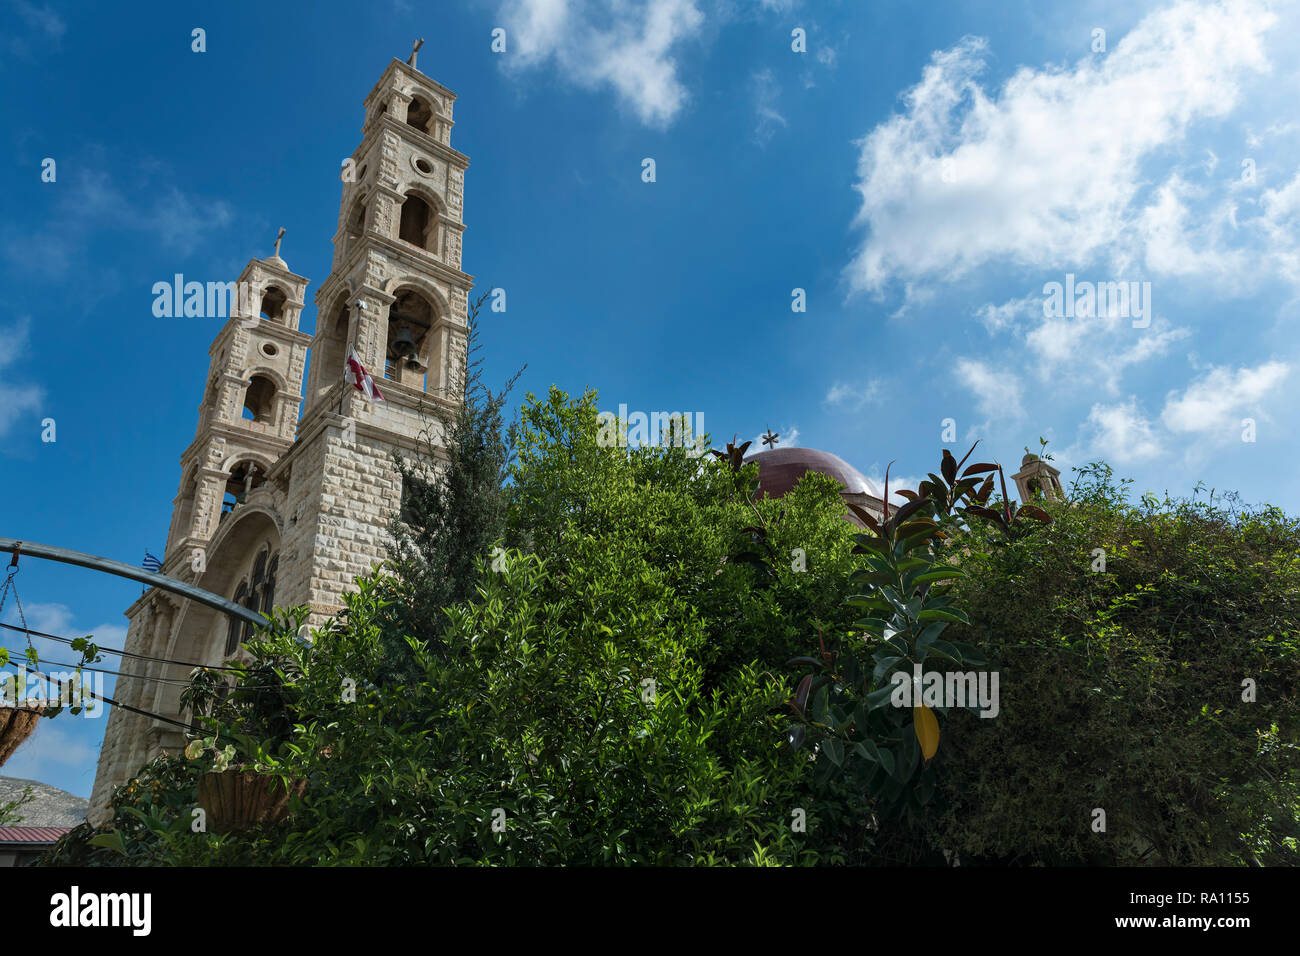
x,y
1036,478
249,413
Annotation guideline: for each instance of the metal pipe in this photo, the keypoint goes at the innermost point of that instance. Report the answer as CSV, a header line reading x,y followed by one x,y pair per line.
x,y
123,570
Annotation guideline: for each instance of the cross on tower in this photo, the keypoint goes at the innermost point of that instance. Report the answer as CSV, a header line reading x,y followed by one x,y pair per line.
x,y
278,237
414,50
769,439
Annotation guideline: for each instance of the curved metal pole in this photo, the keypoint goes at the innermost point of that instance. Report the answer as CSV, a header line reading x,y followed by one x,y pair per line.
x,y
122,570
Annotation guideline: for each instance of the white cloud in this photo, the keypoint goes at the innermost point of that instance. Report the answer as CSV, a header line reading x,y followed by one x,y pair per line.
x,y
854,397
766,90
1215,404
1208,412
628,47
998,395
1047,170
1120,434
41,18
16,399
1096,349
999,318
50,747
1180,241
59,620
897,482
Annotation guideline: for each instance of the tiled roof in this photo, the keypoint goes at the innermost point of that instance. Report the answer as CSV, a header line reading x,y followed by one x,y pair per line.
x,y
31,834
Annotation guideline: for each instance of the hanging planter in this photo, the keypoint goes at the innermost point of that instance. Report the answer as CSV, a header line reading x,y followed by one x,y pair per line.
x,y
16,721
16,725
239,799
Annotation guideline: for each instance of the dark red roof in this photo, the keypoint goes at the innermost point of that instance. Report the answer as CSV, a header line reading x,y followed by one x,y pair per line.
x,y
780,468
31,834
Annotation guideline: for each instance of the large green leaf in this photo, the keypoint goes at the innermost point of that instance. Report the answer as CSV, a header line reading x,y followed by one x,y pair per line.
x,y
938,574
883,667
946,650
931,632
940,614
879,698
886,759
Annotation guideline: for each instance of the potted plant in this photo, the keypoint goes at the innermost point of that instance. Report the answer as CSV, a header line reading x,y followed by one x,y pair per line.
x,y
19,714
238,794
243,780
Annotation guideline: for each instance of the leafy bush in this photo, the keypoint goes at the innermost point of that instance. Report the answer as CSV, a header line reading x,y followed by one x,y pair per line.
x,y
1123,689
599,700
612,681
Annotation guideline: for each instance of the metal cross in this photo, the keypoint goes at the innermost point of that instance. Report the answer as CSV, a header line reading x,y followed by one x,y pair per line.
x,y
277,240
414,50
769,439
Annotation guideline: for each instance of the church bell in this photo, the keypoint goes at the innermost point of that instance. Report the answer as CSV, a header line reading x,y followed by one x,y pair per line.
x,y
404,342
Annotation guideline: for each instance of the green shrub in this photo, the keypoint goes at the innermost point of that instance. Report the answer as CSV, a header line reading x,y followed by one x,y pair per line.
x,y
1122,690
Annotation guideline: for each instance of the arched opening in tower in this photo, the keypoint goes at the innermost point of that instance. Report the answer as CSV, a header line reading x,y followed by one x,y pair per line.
x,y
330,351
259,400
273,304
245,476
420,115
406,357
356,222
417,222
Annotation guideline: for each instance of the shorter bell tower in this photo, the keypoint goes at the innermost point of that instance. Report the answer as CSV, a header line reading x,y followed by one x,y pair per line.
x,y
1037,478
249,413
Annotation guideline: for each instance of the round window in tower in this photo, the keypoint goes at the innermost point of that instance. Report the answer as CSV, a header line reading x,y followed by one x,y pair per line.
x,y
269,350
422,165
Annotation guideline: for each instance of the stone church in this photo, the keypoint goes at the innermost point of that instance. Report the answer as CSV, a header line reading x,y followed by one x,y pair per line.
x,y
286,494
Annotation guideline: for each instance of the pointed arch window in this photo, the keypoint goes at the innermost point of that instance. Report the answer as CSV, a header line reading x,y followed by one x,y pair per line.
x,y
235,633
268,586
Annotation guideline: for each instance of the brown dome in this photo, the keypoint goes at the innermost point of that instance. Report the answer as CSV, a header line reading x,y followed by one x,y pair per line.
x,y
780,468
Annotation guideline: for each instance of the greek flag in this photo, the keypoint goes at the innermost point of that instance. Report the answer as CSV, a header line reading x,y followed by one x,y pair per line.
x,y
150,563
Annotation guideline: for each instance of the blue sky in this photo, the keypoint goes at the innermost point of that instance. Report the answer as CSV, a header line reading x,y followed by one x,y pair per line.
x,y
921,171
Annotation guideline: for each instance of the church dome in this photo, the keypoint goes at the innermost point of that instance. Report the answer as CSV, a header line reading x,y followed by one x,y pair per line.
x,y
780,468
277,262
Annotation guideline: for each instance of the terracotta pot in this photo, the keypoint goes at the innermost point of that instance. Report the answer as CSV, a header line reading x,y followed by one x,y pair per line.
x,y
16,725
239,799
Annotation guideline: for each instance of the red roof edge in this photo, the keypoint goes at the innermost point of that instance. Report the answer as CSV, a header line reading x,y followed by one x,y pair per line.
x,y
31,834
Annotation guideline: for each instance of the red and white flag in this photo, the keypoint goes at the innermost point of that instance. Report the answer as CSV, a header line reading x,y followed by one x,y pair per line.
x,y
356,373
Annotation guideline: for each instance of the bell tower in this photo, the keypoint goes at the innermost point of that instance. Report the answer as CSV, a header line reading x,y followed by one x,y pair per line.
x,y
1037,478
249,412
290,512
397,296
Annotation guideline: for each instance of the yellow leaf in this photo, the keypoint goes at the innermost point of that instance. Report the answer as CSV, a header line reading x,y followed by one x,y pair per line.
x,y
927,730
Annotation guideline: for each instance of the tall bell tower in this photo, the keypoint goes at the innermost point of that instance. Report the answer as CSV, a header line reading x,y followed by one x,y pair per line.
x,y
397,296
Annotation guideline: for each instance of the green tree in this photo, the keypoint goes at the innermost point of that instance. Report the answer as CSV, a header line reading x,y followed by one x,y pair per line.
x,y
453,506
